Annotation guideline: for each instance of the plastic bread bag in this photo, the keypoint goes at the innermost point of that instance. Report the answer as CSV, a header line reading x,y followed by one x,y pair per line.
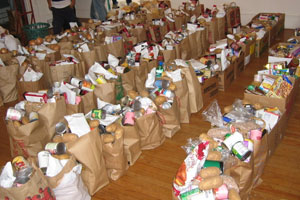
x,y
213,114
190,145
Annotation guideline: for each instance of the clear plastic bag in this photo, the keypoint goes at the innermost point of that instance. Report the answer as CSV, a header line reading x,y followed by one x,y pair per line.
x,y
239,112
190,145
213,114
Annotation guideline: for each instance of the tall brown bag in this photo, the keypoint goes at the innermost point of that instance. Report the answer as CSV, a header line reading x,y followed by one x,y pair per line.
x,y
150,131
115,159
128,81
170,119
27,140
132,144
8,83
106,92
88,150
36,188
195,95
182,92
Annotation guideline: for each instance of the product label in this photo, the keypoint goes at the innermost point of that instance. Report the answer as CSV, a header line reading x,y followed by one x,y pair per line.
x,y
51,147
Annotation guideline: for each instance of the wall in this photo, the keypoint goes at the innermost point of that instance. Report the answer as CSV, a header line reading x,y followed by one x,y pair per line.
x,y
250,8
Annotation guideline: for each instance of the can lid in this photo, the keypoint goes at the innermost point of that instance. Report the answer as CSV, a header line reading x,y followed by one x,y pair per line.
x,y
60,128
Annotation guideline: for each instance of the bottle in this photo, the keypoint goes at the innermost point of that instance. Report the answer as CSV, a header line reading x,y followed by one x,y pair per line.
x,y
56,148
159,70
162,84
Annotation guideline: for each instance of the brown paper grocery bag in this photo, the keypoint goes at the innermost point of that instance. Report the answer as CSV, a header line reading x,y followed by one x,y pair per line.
x,y
42,66
198,40
116,49
150,65
132,144
141,74
65,45
139,33
193,45
36,188
8,83
106,92
75,188
5,57
183,49
32,86
72,109
101,52
61,73
170,119
115,158
155,33
169,55
179,21
150,131
52,113
221,27
50,57
163,30
27,140
88,151
128,81
89,58
195,95
242,173
182,92
205,42
88,102
260,154
212,28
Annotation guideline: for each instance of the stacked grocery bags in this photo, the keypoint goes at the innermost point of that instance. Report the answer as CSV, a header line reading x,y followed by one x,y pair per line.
x,y
94,97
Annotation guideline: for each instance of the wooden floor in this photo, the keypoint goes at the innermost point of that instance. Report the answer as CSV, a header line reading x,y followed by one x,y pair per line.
x,y
151,177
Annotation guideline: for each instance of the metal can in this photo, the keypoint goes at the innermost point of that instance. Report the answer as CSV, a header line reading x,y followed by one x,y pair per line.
x,y
56,148
33,116
76,82
43,159
240,151
60,128
14,114
98,114
20,162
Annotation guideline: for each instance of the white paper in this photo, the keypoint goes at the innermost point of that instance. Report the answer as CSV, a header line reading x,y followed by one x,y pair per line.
x,y
71,186
84,48
224,60
182,63
109,119
101,104
41,56
21,59
71,95
197,65
74,58
7,176
151,79
31,75
54,166
192,27
145,102
73,24
43,47
175,75
78,124
112,60
20,105
97,68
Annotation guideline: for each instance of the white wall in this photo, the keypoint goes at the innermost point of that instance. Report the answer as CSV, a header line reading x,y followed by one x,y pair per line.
x,y
249,8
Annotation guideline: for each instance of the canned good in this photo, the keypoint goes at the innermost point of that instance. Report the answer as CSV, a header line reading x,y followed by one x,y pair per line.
x,y
166,105
240,151
76,82
56,148
60,128
20,162
33,116
43,159
98,114
14,114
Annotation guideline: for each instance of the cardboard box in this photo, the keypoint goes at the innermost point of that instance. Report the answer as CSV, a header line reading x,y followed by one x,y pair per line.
x,y
274,58
281,103
209,89
280,23
225,78
239,65
261,45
